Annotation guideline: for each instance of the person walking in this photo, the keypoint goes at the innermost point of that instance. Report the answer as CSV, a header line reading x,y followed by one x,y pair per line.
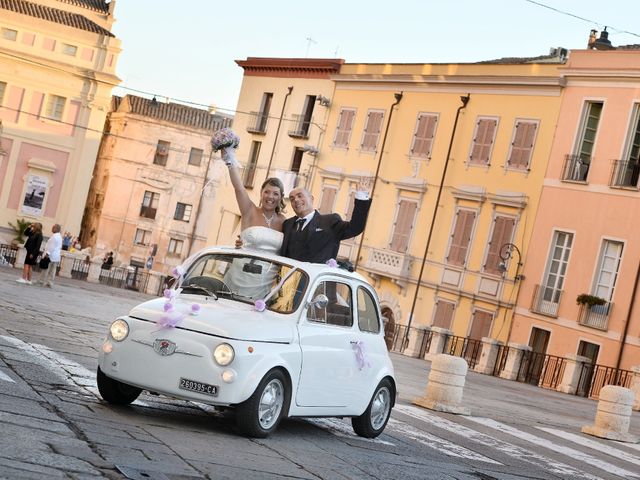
x,y
32,245
52,251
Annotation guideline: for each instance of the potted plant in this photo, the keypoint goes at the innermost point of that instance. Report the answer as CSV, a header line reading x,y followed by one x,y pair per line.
x,y
590,300
18,230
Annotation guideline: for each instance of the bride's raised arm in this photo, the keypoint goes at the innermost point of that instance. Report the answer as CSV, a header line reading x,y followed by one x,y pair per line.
x,y
247,207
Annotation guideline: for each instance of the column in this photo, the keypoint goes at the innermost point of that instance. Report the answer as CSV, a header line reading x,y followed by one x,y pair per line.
x,y
438,340
572,370
20,256
488,356
635,387
94,272
66,264
514,360
416,336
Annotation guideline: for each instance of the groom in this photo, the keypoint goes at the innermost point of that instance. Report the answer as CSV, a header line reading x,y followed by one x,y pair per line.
x,y
312,237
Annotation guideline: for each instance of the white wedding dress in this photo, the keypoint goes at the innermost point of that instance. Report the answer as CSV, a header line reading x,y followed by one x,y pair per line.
x,y
248,282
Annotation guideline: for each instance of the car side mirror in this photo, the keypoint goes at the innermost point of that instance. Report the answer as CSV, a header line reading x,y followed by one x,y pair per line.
x,y
320,301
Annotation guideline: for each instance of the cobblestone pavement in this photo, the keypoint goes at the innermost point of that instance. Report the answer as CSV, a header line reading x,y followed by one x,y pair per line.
x,y
54,424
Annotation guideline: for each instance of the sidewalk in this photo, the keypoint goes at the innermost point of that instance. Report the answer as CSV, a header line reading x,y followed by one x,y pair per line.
x,y
486,396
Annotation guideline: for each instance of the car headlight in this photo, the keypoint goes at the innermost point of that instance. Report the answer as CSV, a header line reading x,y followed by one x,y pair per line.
x,y
224,354
119,330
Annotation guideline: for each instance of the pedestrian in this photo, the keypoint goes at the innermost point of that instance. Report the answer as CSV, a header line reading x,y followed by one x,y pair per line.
x,y
107,261
66,241
52,252
32,245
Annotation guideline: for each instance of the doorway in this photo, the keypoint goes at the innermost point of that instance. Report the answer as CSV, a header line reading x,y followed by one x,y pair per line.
x,y
389,327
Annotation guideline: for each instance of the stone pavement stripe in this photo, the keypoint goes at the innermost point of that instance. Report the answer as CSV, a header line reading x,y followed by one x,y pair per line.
x,y
541,442
546,463
5,377
437,443
341,429
591,443
635,446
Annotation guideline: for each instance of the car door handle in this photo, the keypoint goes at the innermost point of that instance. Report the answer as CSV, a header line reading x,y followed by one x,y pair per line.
x,y
353,342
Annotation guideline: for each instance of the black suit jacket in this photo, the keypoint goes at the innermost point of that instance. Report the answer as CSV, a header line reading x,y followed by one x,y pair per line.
x,y
320,239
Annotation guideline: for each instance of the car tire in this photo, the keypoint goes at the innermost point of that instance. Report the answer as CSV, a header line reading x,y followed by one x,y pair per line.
x,y
372,422
260,414
116,392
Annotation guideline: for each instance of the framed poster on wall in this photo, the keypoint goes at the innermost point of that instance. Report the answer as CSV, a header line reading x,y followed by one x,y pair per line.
x,y
34,194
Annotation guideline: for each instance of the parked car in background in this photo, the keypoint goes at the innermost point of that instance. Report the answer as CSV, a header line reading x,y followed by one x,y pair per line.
x,y
266,336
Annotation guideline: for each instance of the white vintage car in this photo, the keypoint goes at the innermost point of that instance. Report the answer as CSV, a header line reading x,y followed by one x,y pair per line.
x,y
265,335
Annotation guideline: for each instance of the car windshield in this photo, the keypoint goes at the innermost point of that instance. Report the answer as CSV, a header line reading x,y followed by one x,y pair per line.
x,y
247,278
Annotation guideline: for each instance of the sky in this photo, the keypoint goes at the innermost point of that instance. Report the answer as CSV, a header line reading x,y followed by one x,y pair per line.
x,y
186,50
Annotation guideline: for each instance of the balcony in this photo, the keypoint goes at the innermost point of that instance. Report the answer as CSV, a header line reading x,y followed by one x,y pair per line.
x,y
576,168
546,301
625,173
388,263
595,316
301,125
257,123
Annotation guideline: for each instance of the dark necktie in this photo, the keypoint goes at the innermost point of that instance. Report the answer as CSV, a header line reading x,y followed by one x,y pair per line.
x,y
299,224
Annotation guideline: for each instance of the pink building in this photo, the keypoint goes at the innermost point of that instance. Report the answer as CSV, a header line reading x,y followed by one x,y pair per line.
x,y
56,78
580,294
153,191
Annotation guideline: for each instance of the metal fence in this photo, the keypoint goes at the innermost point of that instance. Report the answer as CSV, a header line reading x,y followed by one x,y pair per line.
x,y
125,277
464,347
80,269
541,369
593,377
8,253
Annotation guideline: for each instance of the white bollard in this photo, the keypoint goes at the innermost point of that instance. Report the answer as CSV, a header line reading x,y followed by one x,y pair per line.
x,y
613,415
446,383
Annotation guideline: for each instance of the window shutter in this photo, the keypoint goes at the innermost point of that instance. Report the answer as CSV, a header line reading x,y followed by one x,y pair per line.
x,y
328,197
461,237
423,137
402,229
480,325
522,145
443,314
343,130
372,131
483,141
502,233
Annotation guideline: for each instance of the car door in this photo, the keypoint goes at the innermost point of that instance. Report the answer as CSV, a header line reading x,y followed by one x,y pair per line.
x,y
329,373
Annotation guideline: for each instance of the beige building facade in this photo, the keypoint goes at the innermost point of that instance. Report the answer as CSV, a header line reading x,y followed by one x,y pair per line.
x,y
154,185
57,71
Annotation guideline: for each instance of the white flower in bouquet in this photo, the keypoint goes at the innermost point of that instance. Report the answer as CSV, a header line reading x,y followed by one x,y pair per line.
x,y
224,138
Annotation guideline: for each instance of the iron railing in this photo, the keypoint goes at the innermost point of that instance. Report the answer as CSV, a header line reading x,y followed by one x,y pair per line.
x,y
593,377
257,122
124,277
576,168
595,316
541,369
463,347
301,125
625,174
80,269
546,300
8,253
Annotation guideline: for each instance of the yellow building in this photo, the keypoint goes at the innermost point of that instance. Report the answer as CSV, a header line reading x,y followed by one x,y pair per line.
x,y
457,155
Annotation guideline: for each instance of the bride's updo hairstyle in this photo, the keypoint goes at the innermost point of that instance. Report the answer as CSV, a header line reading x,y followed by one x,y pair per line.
x,y
276,182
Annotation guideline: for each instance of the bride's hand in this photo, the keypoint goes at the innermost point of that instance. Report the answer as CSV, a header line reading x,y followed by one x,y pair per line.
x,y
229,157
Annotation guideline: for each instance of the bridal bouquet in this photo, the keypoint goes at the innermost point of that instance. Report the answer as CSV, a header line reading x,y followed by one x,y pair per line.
x,y
224,138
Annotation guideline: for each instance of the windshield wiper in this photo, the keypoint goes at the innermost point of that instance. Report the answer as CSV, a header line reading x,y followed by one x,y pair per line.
x,y
193,286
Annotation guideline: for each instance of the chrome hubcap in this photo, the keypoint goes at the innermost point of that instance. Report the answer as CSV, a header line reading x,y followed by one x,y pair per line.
x,y
271,402
380,408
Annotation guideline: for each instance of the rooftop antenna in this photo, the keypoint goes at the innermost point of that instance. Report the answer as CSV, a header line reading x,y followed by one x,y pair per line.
x,y
309,42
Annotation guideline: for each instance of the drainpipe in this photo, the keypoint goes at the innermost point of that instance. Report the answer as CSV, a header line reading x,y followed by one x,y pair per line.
x,y
464,101
275,140
626,323
398,97
205,182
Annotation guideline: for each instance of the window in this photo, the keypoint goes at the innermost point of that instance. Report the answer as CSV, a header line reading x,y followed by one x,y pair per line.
x,y
71,50
627,171
195,156
175,246
162,152
524,137
608,266
405,218
555,272
303,121
9,34
589,128
461,237
149,204
3,88
328,199
338,310
297,159
368,320
502,233
250,170
372,129
55,107
480,324
483,141
183,212
143,237
443,314
423,135
344,127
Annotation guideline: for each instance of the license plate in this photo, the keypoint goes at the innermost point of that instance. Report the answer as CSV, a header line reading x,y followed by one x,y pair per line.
x,y
199,387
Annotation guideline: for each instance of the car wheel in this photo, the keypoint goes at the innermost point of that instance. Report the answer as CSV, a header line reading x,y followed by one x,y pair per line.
x,y
372,422
116,392
261,413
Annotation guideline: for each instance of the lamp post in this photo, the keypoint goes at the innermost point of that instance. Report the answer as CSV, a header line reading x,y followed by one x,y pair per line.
x,y
506,253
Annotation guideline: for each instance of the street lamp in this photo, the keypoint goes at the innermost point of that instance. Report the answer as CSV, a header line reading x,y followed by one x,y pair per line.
x,y
506,253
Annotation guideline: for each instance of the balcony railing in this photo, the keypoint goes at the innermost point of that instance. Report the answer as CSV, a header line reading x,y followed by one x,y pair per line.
x,y
148,212
576,168
300,127
546,300
385,262
596,316
257,122
625,174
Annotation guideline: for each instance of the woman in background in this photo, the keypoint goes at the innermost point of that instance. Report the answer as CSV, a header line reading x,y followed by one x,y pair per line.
x,y
32,245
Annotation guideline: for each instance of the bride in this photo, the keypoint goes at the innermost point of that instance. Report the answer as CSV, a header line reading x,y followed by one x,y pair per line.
x,y
261,229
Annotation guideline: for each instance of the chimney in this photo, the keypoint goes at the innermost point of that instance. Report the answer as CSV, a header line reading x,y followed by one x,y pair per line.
x,y
592,40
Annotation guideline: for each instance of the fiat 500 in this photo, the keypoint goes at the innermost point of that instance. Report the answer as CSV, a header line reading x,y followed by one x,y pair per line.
x,y
263,335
